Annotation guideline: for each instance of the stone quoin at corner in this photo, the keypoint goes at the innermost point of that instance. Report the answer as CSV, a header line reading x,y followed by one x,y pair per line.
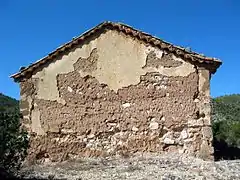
x,y
115,90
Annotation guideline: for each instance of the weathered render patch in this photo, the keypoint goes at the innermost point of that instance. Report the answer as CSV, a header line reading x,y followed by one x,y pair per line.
x,y
106,54
113,49
35,119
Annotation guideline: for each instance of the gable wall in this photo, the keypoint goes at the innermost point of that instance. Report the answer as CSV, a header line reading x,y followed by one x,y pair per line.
x,y
116,95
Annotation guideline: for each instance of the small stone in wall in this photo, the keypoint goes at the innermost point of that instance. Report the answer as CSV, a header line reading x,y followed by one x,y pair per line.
x,y
152,119
125,105
47,160
181,151
111,129
153,125
79,92
134,129
207,132
195,122
205,150
112,124
163,86
70,89
196,100
90,136
184,134
67,131
57,139
168,141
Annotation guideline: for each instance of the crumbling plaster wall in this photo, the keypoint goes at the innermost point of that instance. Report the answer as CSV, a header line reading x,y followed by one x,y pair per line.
x,y
117,95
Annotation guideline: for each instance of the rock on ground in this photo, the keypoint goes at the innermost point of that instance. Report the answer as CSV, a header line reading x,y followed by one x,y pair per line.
x,y
144,167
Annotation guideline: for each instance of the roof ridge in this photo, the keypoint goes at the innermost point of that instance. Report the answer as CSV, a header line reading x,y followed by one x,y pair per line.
x,y
119,26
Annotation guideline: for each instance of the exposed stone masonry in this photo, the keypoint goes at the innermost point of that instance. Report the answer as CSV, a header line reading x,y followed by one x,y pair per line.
x,y
136,118
166,60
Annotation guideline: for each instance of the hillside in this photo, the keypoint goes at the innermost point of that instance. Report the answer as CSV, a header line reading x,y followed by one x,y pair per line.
x,y
226,108
7,104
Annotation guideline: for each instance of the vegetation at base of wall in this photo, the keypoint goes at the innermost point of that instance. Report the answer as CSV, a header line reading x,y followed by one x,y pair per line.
x,y
13,140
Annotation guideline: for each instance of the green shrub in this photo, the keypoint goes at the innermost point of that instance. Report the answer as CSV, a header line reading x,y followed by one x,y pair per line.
x,y
228,131
13,142
226,119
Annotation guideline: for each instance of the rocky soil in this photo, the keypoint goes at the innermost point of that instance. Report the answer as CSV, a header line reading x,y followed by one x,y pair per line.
x,y
169,166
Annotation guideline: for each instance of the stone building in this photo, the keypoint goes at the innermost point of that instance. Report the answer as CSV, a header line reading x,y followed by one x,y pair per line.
x,y
115,90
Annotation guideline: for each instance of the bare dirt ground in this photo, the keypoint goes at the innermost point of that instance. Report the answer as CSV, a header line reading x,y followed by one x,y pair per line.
x,y
144,167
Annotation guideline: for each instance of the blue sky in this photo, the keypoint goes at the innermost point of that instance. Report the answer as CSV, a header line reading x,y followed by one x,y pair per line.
x,y
31,29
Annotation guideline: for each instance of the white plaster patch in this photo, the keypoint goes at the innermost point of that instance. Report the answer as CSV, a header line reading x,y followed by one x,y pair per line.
x,y
36,124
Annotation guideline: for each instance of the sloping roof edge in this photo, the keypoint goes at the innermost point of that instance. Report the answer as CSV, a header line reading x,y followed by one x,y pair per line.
x,y
147,38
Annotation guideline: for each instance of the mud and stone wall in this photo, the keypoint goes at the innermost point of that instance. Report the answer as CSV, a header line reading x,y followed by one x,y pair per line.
x,y
115,95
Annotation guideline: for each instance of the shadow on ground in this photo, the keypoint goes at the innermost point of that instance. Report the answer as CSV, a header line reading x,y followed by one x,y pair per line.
x,y
4,175
224,152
